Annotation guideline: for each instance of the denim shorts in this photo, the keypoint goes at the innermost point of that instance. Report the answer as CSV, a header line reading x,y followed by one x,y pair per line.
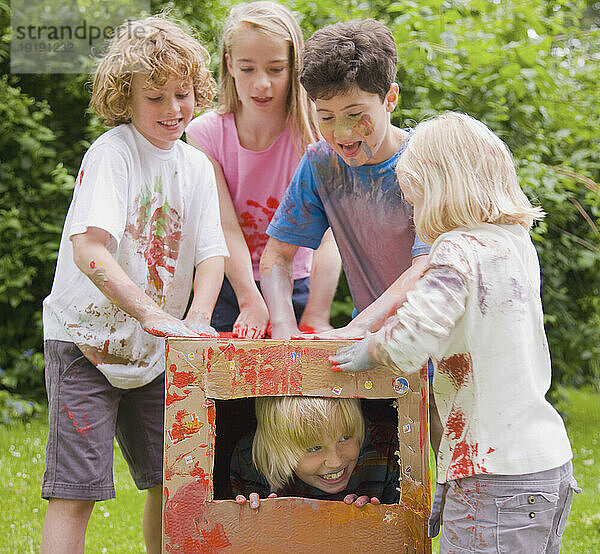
x,y
85,415
505,514
227,309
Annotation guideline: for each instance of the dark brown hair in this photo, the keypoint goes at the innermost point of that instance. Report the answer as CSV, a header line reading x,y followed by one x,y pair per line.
x,y
343,55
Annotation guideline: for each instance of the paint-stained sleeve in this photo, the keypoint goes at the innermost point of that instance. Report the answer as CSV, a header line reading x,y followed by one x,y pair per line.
x,y
243,475
422,326
300,218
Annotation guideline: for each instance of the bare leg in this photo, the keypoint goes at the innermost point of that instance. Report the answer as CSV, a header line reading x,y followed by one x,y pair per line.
x,y
65,525
152,522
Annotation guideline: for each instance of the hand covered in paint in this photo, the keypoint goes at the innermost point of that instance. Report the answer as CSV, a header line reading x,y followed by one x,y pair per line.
x,y
253,498
360,501
200,322
252,321
354,357
164,325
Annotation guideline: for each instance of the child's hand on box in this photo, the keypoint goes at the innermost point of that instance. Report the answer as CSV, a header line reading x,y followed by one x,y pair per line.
x,y
200,322
360,501
253,498
162,324
354,357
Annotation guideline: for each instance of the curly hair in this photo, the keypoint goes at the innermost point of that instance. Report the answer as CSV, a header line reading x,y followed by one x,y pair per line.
x,y
154,46
341,56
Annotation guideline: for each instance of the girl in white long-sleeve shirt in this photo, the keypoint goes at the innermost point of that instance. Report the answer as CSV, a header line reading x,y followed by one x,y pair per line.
x,y
504,466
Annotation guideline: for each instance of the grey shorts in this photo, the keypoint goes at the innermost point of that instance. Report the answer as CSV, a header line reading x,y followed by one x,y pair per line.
x,y
86,413
505,514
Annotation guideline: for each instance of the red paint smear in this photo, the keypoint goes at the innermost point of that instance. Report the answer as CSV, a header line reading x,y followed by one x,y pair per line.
x,y
178,379
254,226
182,378
185,426
455,425
216,539
198,472
184,521
80,430
459,368
462,460
172,397
211,414
92,264
187,504
270,371
163,247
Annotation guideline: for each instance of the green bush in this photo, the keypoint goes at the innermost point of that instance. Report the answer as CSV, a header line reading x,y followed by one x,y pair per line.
x,y
34,194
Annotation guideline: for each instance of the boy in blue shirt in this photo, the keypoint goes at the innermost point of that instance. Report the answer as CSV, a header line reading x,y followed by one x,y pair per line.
x,y
347,181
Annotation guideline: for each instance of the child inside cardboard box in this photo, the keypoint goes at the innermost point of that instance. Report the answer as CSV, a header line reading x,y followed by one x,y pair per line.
x,y
322,448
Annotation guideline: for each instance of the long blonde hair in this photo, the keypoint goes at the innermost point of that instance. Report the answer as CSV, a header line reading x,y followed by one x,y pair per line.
x,y
462,175
288,425
277,21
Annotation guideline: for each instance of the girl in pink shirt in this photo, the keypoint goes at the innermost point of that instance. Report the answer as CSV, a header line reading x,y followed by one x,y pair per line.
x,y
255,139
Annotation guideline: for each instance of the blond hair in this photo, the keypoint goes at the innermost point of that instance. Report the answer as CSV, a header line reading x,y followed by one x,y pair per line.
x,y
289,425
154,46
462,175
277,21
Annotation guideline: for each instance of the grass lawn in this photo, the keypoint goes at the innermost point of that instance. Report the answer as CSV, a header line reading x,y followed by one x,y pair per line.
x,y
115,525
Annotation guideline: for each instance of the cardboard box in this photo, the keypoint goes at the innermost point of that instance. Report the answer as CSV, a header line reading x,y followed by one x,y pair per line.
x,y
201,373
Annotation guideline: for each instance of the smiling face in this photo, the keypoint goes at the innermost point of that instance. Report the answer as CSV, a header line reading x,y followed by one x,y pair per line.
x,y
329,465
259,64
161,114
357,125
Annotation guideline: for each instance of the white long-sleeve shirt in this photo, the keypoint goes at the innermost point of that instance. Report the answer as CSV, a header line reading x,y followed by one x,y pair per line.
x,y
477,313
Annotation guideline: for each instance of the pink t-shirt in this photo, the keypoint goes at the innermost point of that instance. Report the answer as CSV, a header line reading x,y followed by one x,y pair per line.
x,y
256,180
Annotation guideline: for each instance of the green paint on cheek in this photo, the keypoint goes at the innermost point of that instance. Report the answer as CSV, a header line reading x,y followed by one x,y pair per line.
x,y
365,126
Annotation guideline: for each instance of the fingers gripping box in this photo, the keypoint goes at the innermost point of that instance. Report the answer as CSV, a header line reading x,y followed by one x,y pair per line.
x,y
210,387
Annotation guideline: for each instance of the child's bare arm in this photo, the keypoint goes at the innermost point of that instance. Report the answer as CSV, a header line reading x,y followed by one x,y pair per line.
x,y
254,316
207,283
324,277
92,257
374,316
277,284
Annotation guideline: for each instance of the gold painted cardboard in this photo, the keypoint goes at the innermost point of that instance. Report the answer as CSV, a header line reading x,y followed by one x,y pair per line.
x,y
199,371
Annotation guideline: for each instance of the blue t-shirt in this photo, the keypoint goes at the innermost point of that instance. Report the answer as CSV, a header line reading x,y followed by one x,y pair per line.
x,y
366,209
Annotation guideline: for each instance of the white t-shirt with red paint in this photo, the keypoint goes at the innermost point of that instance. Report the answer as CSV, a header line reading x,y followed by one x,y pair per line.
x,y
477,312
161,209
256,179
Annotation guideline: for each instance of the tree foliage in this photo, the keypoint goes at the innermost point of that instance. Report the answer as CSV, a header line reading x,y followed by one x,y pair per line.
x,y
528,69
